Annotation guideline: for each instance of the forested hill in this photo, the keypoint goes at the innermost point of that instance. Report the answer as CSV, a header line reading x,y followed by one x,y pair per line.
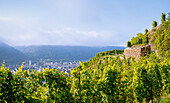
x,y
63,52
11,55
19,54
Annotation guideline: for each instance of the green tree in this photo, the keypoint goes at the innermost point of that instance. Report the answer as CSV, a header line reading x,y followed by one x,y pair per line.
x,y
147,39
146,31
163,18
139,41
154,24
168,17
129,44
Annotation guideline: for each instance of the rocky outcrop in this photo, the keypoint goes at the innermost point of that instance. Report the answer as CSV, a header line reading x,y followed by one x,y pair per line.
x,y
137,51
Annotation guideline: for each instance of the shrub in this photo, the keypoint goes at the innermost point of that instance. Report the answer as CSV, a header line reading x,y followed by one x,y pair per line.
x,y
140,41
168,17
154,24
129,44
163,19
146,31
146,39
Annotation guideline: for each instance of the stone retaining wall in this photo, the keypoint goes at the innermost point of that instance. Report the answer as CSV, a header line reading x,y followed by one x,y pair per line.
x,y
137,52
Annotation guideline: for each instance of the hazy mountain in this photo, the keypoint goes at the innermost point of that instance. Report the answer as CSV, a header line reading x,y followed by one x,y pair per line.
x,y
10,54
20,54
63,52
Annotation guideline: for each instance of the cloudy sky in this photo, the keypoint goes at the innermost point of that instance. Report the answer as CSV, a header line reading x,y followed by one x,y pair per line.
x,y
77,22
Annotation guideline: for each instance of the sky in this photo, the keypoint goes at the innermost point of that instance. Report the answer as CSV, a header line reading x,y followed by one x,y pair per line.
x,y
77,22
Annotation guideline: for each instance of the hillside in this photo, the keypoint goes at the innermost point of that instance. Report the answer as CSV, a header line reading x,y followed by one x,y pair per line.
x,y
108,77
10,54
122,79
156,40
71,53
161,39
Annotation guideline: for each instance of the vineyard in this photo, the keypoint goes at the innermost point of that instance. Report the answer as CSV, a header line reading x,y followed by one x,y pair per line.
x,y
106,78
101,79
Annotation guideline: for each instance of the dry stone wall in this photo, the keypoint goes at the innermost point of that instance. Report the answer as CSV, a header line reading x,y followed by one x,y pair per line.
x,y
137,51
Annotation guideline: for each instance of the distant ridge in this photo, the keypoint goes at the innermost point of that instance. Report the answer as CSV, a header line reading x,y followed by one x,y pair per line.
x,y
71,53
10,54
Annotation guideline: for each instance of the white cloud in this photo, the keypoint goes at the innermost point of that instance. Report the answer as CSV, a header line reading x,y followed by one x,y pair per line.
x,y
18,31
71,36
4,18
65,36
